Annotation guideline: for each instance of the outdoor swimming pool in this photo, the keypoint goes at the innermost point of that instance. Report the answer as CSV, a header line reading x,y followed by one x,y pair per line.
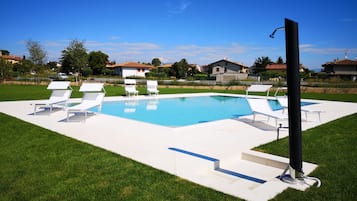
x,y
181,111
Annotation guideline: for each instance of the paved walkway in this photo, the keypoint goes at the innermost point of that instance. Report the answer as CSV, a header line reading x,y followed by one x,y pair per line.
x,y
215,154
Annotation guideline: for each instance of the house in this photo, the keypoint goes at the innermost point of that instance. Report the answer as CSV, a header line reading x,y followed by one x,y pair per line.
x,y
226,71
130,69
165,66
280,67
341,68
11,58
225,66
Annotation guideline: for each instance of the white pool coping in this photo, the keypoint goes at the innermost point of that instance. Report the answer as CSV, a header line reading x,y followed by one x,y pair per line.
x,y
230,141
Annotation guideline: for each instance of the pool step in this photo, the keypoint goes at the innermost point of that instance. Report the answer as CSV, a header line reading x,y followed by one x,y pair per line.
x,y
265,159
207,160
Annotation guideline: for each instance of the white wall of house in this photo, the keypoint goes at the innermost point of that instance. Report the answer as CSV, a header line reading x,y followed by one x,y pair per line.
x,y
131,72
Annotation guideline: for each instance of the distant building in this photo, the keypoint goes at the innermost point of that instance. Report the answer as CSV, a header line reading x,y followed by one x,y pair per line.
x,y
280,67
130,69
10,58
341,68
224,66
226,71
166,65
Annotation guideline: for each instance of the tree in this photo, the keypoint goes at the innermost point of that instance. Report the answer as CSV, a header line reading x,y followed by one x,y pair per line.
x,y
156,62
97,62
5,69
260,64
74,57
5,52
179,69
52,65
25,66
37,53
280,60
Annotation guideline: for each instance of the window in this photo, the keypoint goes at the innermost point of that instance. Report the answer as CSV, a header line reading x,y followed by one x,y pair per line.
x,y
217,69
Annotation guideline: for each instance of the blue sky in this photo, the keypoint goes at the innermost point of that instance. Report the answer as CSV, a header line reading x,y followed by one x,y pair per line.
x,y
202,31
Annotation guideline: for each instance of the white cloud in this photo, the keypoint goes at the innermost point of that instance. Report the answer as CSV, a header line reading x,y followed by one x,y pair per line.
x,y
200,54
309,48
145,52
177,7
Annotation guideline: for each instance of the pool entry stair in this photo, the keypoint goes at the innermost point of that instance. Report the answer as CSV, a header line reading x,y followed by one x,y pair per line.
x,y
250,174
216,166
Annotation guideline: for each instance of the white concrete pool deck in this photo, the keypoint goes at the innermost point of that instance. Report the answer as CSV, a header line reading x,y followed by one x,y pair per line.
x,y
230,141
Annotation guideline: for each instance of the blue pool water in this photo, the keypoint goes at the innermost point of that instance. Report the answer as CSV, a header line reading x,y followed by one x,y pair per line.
x,y
182,111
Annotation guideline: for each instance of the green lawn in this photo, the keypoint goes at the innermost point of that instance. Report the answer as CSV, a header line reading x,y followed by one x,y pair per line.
x,y
38,164
333,147
29,92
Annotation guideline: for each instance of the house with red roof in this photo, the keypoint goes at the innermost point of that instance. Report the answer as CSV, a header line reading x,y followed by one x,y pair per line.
x,y
226,71
130,69
280,67
11,58
341,68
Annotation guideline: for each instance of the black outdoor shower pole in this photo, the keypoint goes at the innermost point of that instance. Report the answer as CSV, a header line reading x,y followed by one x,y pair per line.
x,y
294,110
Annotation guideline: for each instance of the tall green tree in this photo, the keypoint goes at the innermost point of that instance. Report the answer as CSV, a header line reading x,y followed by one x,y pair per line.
x,y
156,62
280,60
52,65
179,69
5,52
5,69
97,61
25,66
36,52
260,64
74,57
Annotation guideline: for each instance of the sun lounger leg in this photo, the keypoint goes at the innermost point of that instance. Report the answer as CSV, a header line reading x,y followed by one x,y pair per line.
x,y
306,115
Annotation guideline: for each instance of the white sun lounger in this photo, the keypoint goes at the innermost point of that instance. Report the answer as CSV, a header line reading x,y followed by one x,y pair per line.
x,y
262,107
151,87
258,88
130,87
93,97
283,101
61,92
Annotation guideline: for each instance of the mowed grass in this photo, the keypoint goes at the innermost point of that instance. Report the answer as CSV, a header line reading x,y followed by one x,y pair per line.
x,y
12,92
333,146
38,164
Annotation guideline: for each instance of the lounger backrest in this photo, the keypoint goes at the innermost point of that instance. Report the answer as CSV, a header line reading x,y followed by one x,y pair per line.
x,y
151,84
91,87
129,82
260,105
130,88
93,97
93,92
65,94
259,88
58,85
